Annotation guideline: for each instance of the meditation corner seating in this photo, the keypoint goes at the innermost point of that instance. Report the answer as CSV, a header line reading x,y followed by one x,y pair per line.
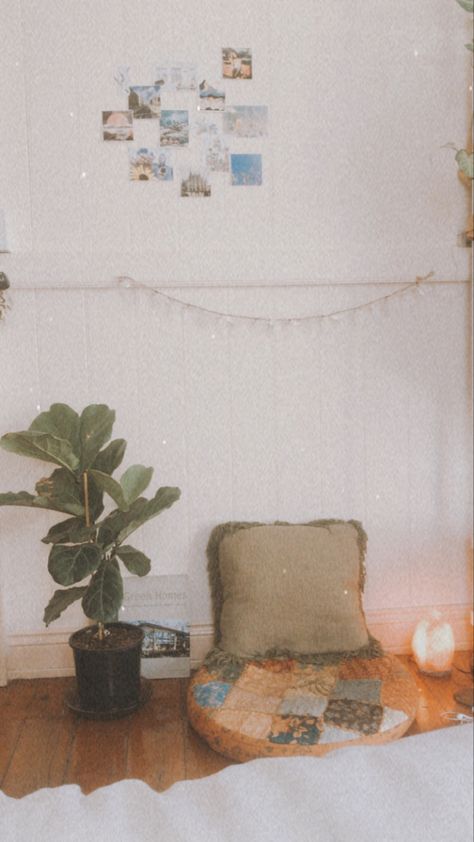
x,y
294,669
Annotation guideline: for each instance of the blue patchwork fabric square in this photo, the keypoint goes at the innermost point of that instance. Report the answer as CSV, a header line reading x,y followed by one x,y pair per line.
x,y
212,694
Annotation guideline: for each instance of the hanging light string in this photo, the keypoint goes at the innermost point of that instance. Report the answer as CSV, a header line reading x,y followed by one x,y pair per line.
x,y
127,282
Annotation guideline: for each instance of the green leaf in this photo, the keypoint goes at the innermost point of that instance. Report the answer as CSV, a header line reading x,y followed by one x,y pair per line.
x,y
69,565
20,498
24,498
111,457
70,531
468,5
470,46
134,481
118,525
63,490
465,162
96,499
60,601
60,421
111,487
96,424
104,596
43,446
135,561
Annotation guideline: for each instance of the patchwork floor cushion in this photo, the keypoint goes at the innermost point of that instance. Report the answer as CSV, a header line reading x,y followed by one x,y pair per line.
x,y
295,669
258,708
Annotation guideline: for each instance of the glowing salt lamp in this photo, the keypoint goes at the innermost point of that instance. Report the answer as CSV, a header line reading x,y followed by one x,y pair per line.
x,y
433,646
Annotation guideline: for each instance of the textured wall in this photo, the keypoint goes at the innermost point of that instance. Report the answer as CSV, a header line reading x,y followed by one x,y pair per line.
x,y
365,416
362,97
362,416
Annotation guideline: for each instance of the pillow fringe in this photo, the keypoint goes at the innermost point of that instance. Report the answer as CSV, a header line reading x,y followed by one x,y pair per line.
x,y
218,658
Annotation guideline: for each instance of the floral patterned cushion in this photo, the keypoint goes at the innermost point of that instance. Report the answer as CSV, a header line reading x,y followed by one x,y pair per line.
x,y
283,707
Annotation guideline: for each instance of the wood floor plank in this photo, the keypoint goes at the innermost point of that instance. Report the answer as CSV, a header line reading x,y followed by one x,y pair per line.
x,y
50,699
98,753
166,699
16,699
156,752
40,758
9,736
436,699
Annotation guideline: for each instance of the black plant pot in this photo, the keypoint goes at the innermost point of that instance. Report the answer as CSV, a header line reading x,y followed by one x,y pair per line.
x,y
107,671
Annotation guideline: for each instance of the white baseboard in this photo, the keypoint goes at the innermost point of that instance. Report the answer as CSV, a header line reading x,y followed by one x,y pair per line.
x,y
47,654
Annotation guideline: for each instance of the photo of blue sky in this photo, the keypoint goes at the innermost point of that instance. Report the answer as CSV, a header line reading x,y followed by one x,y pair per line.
x,y
246,170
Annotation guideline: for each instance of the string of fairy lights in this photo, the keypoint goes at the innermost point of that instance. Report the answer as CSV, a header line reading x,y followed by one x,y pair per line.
x,y
126,282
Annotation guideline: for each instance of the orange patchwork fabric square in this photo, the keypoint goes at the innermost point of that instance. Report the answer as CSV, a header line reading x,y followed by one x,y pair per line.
x,y
316,680
256,679
239,699
256,725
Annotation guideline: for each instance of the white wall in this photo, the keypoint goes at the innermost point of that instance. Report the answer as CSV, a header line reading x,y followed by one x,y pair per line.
x,y
362,97
365,416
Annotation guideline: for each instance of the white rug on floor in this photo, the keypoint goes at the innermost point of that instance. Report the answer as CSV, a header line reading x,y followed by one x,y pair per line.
x,y
419,788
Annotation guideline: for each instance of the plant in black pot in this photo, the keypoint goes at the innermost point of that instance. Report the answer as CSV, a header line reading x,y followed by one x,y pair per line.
x,y
88,546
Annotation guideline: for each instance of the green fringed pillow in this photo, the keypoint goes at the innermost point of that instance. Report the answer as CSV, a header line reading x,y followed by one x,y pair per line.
x,y
289,588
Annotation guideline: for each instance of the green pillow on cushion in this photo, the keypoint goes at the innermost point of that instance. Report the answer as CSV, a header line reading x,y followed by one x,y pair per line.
x,y
292,588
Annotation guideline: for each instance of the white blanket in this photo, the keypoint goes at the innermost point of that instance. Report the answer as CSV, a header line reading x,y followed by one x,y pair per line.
x,y
419,788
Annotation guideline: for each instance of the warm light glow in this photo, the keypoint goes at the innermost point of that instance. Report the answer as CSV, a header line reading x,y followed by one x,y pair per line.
x,y
433,645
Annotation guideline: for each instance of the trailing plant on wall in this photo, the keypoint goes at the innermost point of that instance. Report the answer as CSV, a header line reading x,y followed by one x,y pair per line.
x,y
464,158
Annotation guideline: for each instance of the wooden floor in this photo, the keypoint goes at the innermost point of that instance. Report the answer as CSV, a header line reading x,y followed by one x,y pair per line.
x,y
43,744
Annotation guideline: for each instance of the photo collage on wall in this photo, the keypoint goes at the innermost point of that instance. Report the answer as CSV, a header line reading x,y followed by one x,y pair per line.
x,y
190,143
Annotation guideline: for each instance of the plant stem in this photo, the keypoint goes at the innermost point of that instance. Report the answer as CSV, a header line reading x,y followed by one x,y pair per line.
x,y
85,485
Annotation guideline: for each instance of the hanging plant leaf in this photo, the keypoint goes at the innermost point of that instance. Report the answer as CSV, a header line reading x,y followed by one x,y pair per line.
x,y
96,424
43,446
60,421
70,531
135,561
104,596
111,457
69,565
468,5
60,601
62,489
465,162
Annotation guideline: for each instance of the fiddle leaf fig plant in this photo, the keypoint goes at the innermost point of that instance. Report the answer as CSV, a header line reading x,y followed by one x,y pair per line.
x,y
87,548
